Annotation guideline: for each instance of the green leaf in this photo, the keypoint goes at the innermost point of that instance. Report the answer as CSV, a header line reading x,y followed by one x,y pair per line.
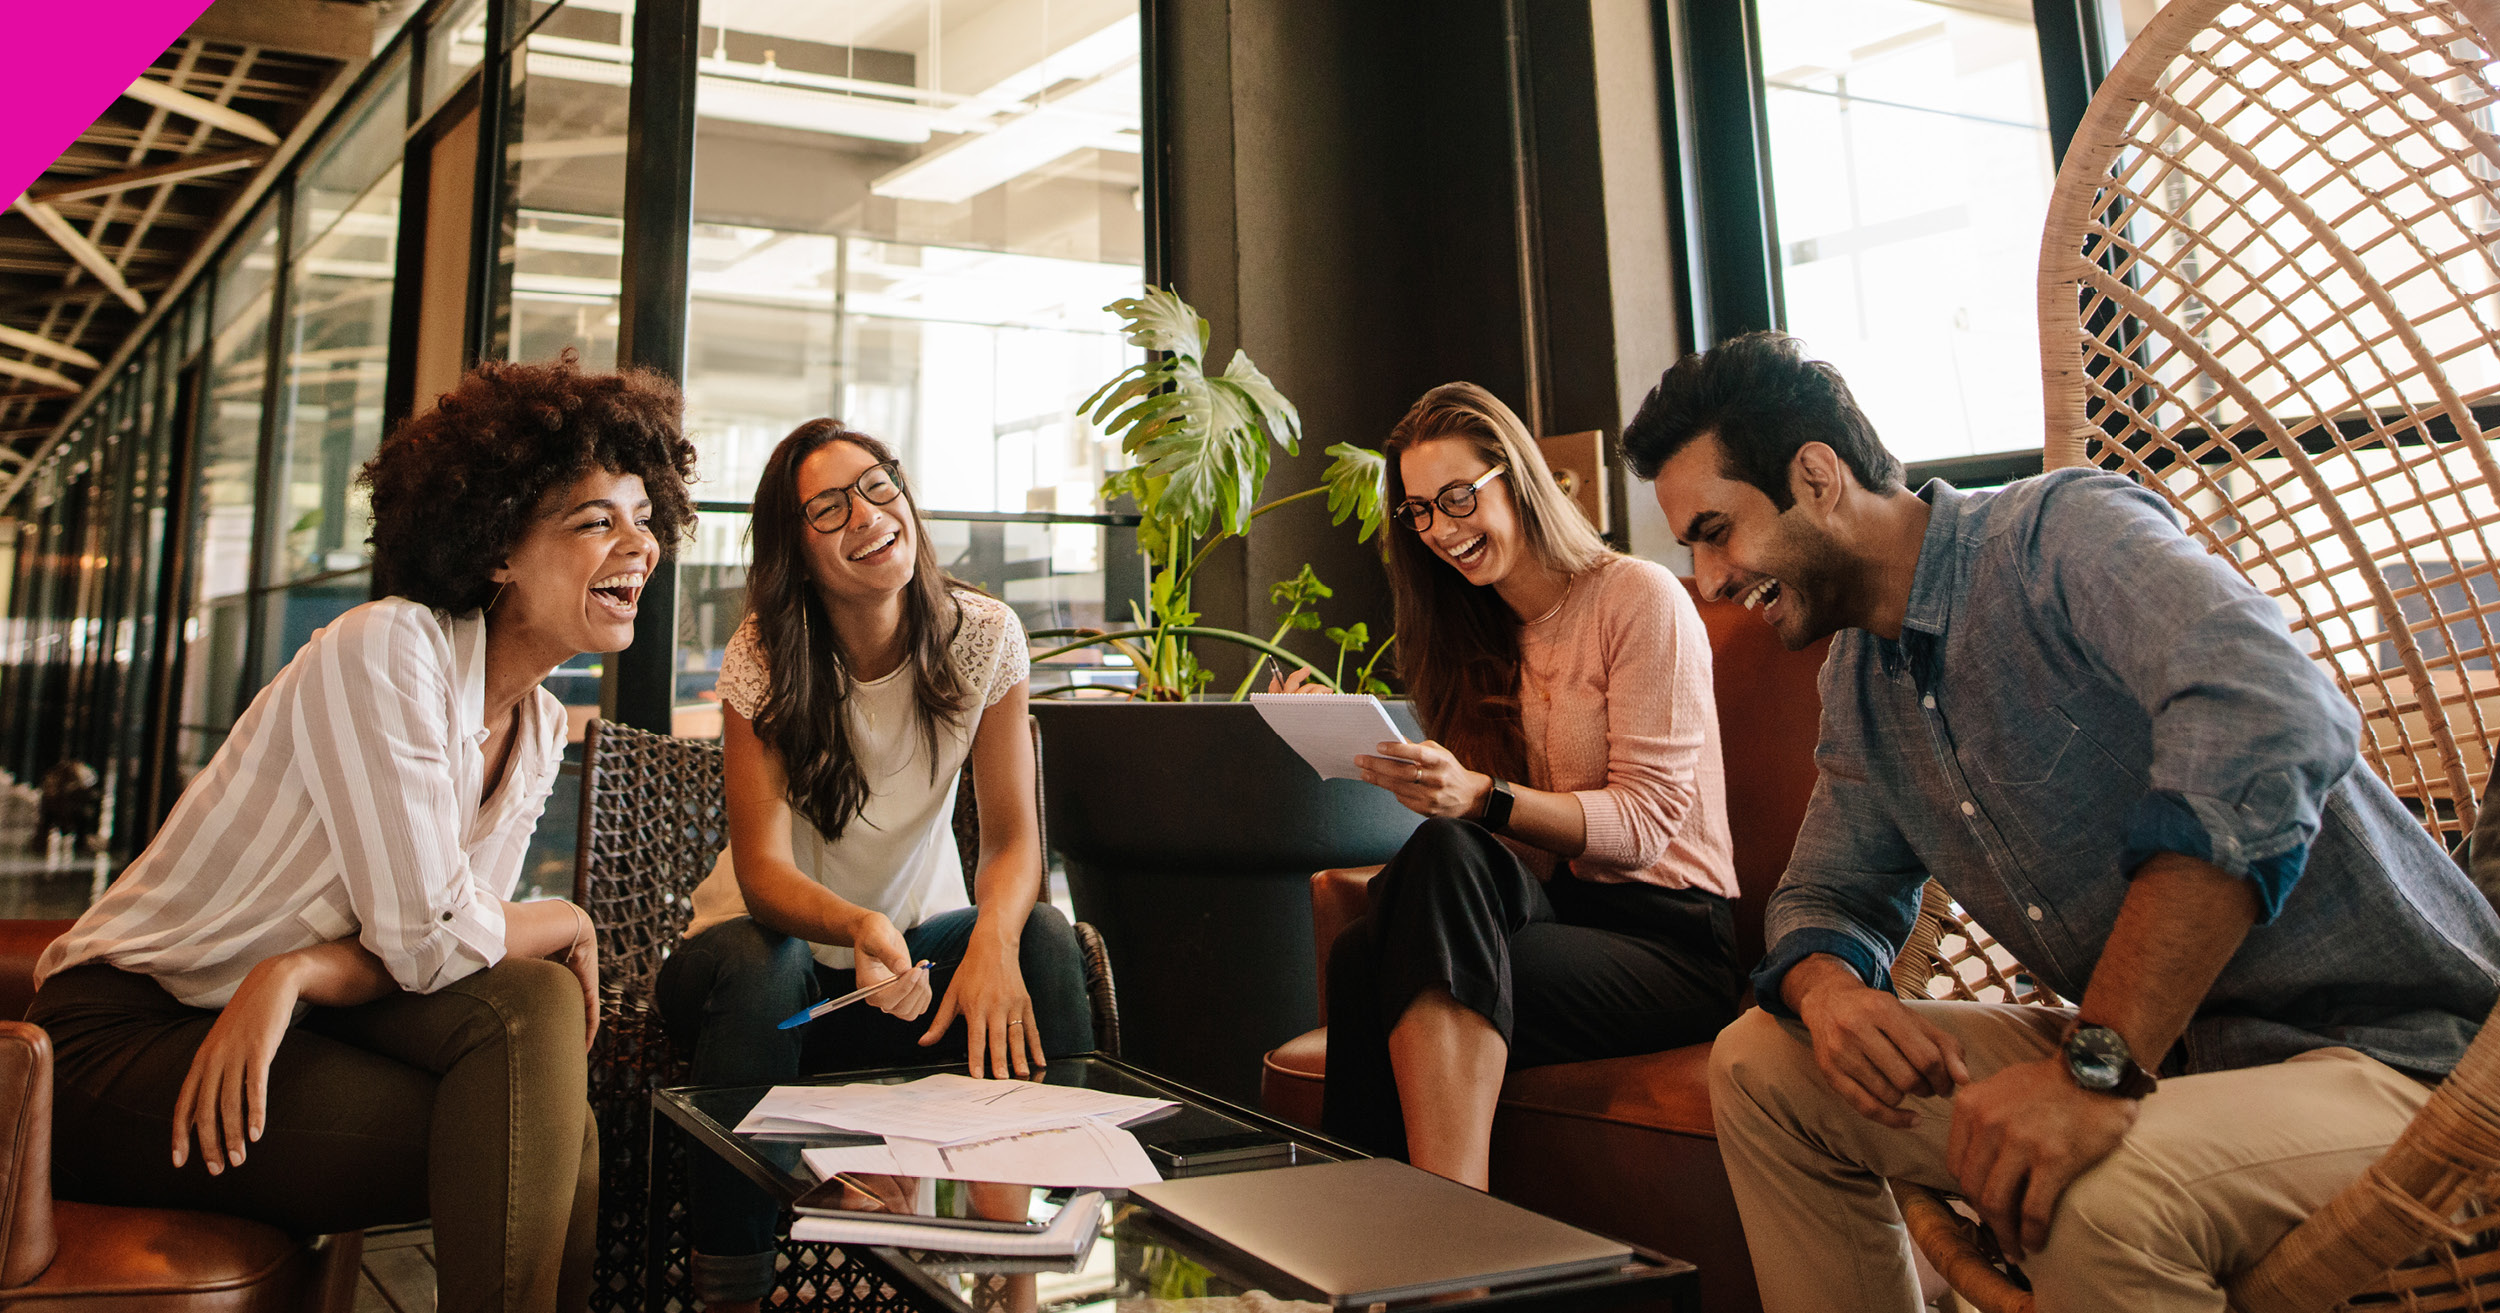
x,y
1161,321
1274,415
1356,481
1135,381
1304,620
1374,685
1352,638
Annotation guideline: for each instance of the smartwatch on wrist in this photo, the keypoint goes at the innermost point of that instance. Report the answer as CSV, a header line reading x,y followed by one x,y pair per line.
x,y
2100,1061
1497,802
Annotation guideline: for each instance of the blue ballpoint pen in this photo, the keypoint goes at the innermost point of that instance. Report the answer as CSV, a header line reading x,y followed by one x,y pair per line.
x,y
806,1015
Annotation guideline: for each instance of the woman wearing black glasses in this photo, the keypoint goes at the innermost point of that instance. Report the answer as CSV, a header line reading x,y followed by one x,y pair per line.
x,y
861,681
1567,897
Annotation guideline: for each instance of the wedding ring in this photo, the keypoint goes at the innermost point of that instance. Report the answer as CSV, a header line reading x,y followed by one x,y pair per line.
x,y
1017,1022
1419,775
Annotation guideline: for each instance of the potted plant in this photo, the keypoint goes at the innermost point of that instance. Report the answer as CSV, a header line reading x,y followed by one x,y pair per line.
x,y
1189,830
1199,443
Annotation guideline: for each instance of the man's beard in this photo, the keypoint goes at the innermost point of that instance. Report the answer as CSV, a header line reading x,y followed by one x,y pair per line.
x,y
1818,585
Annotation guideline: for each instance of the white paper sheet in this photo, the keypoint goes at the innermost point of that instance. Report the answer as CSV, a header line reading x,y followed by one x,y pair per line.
x,y
867,1159
1091,1154
1329,730
942,1109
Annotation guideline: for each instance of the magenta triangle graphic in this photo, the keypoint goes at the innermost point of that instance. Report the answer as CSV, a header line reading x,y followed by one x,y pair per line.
x,y
62,63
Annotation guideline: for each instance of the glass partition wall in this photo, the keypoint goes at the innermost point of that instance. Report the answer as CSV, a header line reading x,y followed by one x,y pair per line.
x,y
906,215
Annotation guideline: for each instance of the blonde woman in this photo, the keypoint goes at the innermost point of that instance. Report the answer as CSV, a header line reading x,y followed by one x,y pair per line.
x,y
1567,897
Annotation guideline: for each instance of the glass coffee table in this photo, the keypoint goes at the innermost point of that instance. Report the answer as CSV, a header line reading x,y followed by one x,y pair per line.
x,y
1138,1265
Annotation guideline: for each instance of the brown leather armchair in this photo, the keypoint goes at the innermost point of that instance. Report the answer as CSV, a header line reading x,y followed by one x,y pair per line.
x,y
63,1257
1625,1146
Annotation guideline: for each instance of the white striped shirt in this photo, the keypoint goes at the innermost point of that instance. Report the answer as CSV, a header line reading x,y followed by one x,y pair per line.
x,y
346,802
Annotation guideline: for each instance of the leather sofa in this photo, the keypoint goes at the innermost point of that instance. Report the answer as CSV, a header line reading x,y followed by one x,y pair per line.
x,y
1625,1146
62,1257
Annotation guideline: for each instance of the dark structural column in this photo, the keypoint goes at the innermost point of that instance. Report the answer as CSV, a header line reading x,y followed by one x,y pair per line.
x,y
2073,59
659,219
1718,99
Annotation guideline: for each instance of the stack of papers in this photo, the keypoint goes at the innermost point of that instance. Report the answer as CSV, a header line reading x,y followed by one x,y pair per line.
x,y
1089,1154
942,1109
955,1127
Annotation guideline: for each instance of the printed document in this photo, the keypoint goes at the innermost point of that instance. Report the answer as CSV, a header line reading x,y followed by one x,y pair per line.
x,y
1087,1154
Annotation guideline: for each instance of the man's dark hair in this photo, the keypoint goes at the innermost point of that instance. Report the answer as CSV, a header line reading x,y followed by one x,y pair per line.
x,y
456,487
1764,400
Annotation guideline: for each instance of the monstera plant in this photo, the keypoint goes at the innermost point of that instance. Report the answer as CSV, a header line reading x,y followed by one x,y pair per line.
x,y
1200,444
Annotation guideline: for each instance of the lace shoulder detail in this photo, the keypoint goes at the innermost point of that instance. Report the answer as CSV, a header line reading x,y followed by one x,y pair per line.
x,y
745,681
989,651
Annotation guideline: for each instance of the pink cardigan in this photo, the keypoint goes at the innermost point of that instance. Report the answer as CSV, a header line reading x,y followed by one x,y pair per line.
x,y
1616,701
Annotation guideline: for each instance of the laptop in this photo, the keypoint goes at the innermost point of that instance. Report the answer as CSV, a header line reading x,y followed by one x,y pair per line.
x,y
1373,1230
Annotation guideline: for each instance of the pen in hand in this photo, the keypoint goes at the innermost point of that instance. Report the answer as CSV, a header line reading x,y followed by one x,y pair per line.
x,y
808,1014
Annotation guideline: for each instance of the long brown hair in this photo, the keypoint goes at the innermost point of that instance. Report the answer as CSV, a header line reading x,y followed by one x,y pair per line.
x,y
803,717
1458,643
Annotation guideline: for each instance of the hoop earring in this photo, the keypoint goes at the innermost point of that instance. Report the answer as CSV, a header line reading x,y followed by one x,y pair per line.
x,y
490,602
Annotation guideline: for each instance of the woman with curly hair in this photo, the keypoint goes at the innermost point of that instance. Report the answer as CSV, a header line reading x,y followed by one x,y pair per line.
x,y
859,685
309,1001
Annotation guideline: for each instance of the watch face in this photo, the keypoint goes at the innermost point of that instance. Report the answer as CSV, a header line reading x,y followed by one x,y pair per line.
x,y
2098,1058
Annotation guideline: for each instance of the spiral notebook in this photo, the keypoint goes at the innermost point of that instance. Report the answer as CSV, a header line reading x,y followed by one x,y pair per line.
x,y
1329,730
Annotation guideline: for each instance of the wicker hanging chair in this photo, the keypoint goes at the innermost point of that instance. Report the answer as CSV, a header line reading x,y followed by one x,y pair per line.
x,y
2270,290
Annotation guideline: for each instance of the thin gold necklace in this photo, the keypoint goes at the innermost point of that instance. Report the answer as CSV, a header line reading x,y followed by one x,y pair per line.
x,y
1568,580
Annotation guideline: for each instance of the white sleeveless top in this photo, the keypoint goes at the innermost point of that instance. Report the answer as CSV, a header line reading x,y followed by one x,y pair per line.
x,y
898,856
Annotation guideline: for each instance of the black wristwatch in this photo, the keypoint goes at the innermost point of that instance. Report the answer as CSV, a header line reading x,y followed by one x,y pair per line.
x,y
1497,803
2100,1061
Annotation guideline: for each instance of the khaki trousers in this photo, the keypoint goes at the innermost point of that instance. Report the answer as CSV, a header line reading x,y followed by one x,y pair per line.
x,y
2216,1169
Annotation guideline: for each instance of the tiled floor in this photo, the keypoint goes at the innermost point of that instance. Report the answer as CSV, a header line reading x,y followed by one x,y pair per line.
x,y
399,1271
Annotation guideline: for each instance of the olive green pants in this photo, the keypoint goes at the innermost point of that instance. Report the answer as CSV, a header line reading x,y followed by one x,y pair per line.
x,y
467,1105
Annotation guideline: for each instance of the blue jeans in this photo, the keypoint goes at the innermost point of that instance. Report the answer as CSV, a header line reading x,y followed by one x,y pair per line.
x,y
722,992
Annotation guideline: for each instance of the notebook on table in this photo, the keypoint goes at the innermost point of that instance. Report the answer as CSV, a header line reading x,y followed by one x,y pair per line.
x,y
1356,1233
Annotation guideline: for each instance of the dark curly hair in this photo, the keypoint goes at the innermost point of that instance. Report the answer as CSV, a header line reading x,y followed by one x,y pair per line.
x,y
455,487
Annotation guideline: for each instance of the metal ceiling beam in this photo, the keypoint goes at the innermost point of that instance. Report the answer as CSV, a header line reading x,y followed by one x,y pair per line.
x,y
44,346
37,374
203,166
316,112
149,92
81,250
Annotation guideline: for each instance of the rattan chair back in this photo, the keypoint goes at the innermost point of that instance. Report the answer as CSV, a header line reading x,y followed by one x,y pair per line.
x,y
652,825
2270,289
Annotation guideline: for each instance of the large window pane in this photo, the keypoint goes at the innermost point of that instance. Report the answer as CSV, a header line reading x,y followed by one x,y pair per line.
x,y
455,45
567,183
1911,171
906,215
347,238
215,631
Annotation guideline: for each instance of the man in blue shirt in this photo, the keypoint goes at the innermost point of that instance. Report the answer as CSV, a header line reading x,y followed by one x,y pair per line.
x,y
2106,745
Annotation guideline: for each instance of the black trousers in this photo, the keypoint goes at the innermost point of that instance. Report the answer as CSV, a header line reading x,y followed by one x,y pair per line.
x,y
1567,971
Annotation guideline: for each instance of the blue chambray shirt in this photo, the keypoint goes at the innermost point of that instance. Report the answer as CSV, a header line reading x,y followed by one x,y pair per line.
x,y
2077,686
